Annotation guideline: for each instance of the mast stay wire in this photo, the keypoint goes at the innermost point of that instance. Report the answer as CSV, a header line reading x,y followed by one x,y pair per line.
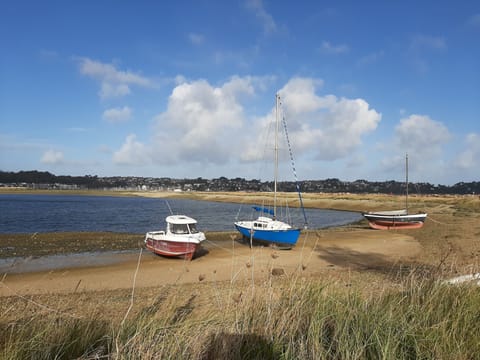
x,y
297,183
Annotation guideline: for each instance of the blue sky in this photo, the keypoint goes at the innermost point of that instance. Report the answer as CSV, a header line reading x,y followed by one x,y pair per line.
x,y
185,89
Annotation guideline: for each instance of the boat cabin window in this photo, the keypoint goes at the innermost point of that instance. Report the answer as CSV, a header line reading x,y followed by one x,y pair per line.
x,y
179,228
259,225
193,228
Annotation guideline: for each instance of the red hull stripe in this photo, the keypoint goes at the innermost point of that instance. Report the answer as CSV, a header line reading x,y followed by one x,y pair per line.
x,y
395,225
167,248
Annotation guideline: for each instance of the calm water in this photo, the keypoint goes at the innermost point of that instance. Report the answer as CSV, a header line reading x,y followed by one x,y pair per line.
x,y
55,213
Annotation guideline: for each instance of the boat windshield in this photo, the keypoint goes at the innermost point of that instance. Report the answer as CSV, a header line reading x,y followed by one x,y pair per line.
x,y
179,228
193,228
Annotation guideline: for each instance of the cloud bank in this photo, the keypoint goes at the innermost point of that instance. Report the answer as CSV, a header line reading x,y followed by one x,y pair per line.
x,y
206,124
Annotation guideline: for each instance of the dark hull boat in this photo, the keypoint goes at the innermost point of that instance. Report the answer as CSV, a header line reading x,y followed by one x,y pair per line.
x,y
392,220
396,219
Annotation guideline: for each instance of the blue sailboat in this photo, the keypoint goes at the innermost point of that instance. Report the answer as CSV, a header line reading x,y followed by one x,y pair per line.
x,y
270,230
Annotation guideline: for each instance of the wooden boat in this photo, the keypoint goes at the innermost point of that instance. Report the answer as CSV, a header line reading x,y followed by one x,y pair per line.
x,y
270,230
396,219
180,239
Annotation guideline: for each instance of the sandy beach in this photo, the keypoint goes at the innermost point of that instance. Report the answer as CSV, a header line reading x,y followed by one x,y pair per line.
x,y
359,249
449,237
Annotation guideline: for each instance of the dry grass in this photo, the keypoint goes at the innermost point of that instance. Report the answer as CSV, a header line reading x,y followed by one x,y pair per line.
x,y
289,318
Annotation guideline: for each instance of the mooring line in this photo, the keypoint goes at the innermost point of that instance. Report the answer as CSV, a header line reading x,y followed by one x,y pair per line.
x,y
439,222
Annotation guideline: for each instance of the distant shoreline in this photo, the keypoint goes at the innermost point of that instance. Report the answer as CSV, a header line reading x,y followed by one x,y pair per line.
x,y
331,201
20,191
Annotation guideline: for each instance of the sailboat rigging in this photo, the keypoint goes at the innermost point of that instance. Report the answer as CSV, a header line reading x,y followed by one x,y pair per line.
x,y
266,229
396,219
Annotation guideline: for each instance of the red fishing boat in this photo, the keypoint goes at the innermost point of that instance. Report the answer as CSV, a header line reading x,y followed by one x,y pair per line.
x,y
180,239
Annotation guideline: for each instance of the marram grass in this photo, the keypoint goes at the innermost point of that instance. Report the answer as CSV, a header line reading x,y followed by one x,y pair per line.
x,y
276,320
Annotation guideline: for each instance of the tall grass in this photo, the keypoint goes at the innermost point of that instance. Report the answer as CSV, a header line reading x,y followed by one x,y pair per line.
x,y
52,337
279,319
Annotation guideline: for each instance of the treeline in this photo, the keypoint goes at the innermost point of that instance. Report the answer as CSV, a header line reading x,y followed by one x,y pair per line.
x,y
46,180
33,177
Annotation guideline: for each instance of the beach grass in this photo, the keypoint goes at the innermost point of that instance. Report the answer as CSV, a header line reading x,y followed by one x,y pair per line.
x,y
278,319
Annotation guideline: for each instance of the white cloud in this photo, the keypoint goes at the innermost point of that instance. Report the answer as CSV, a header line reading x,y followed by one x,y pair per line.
x,y
423,140
52,157
469,159
206,124
200,125
132,152
328,48
300,95
117,115
421,135
180,79
326,127
266,19
201,121
114,82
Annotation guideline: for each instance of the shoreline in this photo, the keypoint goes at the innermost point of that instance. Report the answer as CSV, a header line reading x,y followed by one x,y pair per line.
x,y
226,261
328,201
447,242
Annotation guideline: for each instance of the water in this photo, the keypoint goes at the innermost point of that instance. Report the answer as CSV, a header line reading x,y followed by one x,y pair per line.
x,y
56,213
59,213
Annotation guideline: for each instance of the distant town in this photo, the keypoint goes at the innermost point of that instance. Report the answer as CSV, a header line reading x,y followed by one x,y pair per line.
x,y
45,180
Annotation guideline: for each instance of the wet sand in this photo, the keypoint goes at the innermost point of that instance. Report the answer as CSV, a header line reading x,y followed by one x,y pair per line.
x,y
231,261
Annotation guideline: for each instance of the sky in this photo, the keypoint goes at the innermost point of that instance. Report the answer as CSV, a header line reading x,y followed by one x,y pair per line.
x,y
186,89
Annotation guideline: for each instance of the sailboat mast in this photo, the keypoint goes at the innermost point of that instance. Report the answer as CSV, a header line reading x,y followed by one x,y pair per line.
x,y
406,182
275,175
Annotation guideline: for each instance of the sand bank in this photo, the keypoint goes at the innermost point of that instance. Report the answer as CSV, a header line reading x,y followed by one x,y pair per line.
x,y
227,261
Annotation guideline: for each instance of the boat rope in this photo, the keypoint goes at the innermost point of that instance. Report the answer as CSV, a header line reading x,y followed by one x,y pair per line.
x,y
218,246
238,213
425,209
439,222
169,208
297,183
